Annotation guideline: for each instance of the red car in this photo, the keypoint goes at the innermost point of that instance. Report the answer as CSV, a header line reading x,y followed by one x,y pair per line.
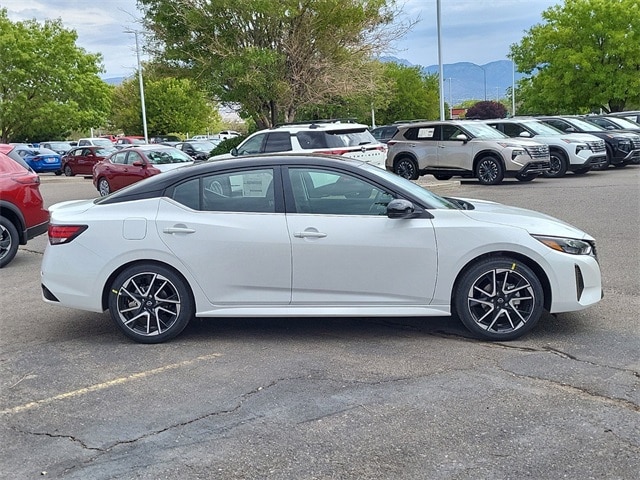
x,y
80,160
132,164
129,141
22,214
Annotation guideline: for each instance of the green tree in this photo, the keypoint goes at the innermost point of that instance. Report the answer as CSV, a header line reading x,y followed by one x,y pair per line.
x,y
586,56
171,105
412,95
48,85
398,93
274,56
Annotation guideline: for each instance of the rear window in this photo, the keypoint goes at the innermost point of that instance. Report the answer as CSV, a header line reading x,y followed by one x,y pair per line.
x,y
335,139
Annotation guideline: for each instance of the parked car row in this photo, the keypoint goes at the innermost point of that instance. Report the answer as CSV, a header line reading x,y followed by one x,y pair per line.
x,y
492,149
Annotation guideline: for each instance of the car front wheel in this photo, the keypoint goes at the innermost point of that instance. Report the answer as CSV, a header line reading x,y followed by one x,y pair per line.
x,y
559,165
499,299
103,187
67,171
150,303
490,171
406,168
9,241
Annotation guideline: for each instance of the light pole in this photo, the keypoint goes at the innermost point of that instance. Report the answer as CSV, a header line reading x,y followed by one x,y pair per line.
x,y
142,105
450,104
484,76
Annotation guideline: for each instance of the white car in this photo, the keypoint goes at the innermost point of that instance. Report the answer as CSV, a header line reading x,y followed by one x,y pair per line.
x,y
347,139
310,235
569,152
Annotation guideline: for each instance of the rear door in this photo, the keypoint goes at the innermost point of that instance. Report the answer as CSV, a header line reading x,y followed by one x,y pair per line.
x,y
230,231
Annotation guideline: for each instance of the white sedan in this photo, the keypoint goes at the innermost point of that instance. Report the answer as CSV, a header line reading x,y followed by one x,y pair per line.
x,y
305,235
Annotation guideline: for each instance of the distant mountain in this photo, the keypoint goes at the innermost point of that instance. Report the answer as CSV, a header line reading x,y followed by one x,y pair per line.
x,y
468,79
114,80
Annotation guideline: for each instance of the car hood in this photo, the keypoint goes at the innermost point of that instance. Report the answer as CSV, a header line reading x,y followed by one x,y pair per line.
x,y
532,222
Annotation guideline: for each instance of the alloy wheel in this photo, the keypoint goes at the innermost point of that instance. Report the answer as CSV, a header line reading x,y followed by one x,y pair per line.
x,y
501,301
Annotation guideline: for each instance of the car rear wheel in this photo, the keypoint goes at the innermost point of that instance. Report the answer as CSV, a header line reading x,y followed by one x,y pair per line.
x,y
499,299
9,241
406,168
67,171
150,303
103,187
559,164
490,171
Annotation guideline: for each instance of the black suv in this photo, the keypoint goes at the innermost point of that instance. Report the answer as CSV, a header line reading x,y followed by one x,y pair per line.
x,y
623,148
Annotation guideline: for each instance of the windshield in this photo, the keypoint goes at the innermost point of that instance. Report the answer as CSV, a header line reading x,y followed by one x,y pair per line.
x,y
44,151
584,125
482,131
170,155
542,128
624,123
203,146
104,151
428,198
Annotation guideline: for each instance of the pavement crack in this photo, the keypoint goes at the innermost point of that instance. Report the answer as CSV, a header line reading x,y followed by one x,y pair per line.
x,y
56,435
619,402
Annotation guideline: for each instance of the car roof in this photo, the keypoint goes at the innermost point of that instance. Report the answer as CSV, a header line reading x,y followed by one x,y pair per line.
x,y
157,183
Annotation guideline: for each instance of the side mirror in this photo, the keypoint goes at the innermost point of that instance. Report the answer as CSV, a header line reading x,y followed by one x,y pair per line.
x,y
139,163
525,134
234,152
400,208
462,137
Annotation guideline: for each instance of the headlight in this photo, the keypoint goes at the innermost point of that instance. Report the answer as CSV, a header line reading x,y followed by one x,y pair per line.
x,y
566,245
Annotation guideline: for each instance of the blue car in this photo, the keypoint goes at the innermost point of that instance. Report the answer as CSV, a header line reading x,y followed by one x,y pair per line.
x,y
41,160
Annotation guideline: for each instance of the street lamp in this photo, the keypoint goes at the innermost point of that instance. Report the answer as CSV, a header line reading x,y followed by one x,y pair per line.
x,y
142,106
450,100
484,74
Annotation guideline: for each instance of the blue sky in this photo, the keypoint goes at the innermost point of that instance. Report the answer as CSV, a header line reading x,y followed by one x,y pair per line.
x,y
478,31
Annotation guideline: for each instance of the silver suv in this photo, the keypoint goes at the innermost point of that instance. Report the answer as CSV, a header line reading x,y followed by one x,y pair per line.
x,y
569,152
329,137
466,148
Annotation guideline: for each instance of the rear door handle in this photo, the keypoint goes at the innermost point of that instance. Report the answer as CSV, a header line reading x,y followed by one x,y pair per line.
x,y
178,229
309,234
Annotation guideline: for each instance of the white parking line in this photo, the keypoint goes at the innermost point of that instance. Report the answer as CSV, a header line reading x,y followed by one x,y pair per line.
x,y
110,383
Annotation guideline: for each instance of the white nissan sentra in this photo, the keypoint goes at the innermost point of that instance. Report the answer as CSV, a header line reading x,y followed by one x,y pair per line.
x,y
310,235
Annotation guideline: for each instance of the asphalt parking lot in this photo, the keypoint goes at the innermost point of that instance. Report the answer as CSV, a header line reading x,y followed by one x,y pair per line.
x,y
334,398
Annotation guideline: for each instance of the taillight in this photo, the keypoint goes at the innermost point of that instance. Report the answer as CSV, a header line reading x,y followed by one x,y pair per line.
x,y
27,179
333,152
59,234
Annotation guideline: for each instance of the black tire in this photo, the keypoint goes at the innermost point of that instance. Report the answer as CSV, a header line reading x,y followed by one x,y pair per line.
x,y
582,171
498,299
559,164
58,173
406,167
620,165
489,171
526,178
68,172
439,176
150,303
104,188
9,241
